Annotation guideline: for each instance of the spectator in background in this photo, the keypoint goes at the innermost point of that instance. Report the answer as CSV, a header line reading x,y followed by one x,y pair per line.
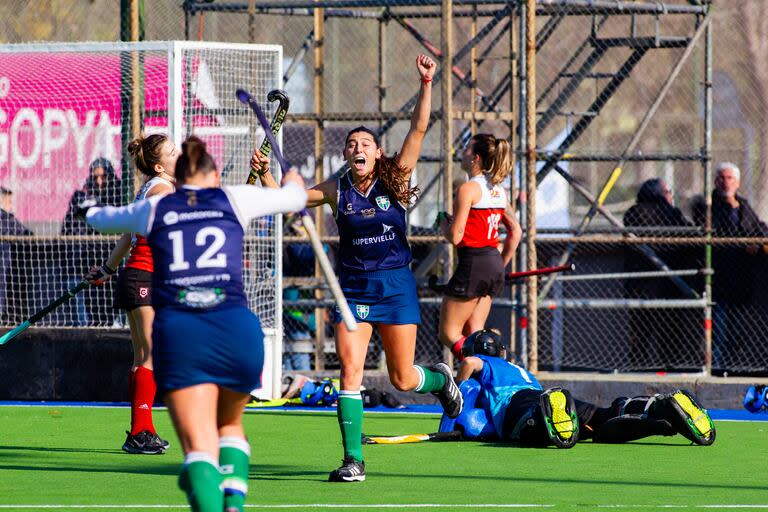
x,y
101,188
9,224
9,259
656,333
735,265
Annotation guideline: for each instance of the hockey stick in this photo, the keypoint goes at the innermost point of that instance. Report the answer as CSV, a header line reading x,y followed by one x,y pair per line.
x,y
5,338
510,276
277,122
413,438
306,219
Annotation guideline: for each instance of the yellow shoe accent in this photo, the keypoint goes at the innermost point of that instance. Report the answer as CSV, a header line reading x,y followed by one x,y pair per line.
x,y
699,418
562,421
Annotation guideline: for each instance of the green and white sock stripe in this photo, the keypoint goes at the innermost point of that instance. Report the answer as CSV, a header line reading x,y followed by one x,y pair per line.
x,y
353,395
422,379
237,443
200,457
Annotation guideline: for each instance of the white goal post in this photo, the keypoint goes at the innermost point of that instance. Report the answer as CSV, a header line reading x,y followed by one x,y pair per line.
x,y
68,108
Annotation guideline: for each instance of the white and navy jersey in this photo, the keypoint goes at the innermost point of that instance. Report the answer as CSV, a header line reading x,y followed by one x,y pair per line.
x,y
372,228
196,238
482,229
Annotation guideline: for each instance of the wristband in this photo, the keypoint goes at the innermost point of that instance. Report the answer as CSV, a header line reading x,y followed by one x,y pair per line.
x,y
105,268
426,80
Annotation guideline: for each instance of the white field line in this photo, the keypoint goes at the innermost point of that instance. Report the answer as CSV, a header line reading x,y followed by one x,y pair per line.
x,y
393,505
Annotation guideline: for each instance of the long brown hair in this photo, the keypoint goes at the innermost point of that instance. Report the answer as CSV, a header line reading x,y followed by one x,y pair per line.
x,y
147,152
494,155
393,177
194,159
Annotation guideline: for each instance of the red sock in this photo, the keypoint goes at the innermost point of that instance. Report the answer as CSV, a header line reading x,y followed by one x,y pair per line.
x,y
142,399
456,348
131,383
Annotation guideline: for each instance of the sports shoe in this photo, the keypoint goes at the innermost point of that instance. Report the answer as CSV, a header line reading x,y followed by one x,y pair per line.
x,y
351,470
559,412
688,417
450,396
145,442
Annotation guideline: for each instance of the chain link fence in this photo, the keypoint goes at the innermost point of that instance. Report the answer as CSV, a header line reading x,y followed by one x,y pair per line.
x,y
619,85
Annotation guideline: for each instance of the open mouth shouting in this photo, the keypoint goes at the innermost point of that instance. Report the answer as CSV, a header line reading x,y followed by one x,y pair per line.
x,y
358,163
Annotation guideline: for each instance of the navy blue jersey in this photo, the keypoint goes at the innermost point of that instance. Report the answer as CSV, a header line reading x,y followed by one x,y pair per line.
x,y
372,229
196,240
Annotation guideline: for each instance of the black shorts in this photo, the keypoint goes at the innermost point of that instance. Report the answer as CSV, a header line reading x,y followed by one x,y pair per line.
x,y
480,272
134,289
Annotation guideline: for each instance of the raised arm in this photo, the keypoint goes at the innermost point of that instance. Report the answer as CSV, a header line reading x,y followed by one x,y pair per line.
x,y
409,153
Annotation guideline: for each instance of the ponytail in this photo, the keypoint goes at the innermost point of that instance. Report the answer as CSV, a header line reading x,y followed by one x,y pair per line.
x,y
194,159
146,152
494,156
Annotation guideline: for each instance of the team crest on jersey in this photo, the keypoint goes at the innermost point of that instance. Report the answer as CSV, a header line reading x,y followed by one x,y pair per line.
x,y
201,298
362,311
383,202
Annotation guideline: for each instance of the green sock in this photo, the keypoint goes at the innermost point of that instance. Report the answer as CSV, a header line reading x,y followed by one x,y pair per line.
x,y
201,480
234,453
350,413
429,380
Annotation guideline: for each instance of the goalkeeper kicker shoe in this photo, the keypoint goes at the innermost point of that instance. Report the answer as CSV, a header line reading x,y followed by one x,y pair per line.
x,y
351,470
450,396
146,443
559,411
687,416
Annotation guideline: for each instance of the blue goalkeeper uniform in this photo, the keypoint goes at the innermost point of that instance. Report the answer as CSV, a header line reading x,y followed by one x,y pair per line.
x,y
501,380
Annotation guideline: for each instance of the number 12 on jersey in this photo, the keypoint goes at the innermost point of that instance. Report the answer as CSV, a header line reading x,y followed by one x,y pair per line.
x,y
210,258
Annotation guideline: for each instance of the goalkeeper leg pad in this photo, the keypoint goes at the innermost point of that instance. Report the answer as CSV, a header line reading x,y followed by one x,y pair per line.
x,y
469,389
687,416
558,411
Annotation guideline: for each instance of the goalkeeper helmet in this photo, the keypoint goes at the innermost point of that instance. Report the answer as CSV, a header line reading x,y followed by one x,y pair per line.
x,y
486,342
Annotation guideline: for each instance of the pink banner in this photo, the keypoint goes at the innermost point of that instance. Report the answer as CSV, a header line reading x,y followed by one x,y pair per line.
x,y
59,112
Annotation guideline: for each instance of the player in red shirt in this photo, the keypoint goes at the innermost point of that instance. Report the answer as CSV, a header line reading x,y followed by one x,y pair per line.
x,y
155,157
481,205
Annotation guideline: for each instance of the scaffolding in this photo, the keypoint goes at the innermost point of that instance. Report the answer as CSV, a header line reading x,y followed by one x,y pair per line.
x,y
525,33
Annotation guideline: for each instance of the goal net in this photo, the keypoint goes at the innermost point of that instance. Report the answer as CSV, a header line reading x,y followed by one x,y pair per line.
x,y
67,112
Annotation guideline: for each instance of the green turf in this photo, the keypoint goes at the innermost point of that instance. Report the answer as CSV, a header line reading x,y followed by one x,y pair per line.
x,y
65,456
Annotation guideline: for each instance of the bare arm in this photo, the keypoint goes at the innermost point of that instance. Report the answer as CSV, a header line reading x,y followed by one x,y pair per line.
x,y
409,153
468,194
468,367
514,235
322,193
119,251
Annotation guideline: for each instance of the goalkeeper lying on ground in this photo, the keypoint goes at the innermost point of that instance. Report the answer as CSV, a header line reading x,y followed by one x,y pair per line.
x,y
502,401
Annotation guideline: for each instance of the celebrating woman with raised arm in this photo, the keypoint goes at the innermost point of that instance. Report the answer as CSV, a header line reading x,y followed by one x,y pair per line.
x,y
208,346
370,203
